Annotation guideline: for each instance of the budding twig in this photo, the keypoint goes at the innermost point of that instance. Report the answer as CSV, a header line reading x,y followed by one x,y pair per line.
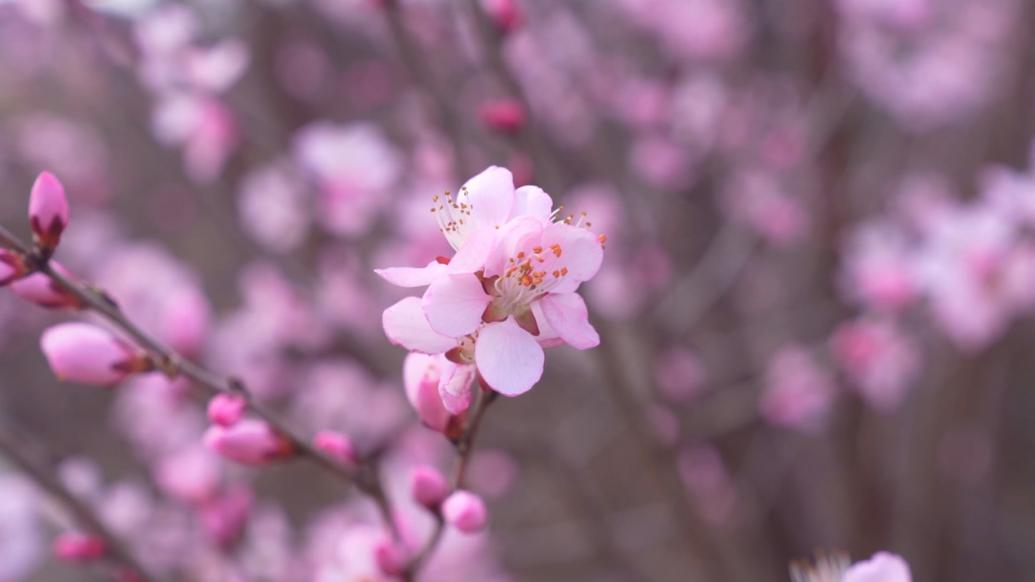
x,y
174,365
464,448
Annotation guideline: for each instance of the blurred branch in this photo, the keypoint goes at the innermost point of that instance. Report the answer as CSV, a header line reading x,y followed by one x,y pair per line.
x,y
14,449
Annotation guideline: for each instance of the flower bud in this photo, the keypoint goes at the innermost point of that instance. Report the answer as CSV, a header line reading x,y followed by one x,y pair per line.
x,y
391,559
48,211
428,486
503,115
226,409
421,376
336,446
79,547
43,291
465,511
12,266
85,353
506,15
249,441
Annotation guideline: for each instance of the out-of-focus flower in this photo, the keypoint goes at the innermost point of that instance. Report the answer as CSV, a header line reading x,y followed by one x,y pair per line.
x,y
880,360
337,446
249,441
81,352
20,529
353,168
503,115
423,376
798,391
880,268
506,15
465,511
679,374
79,547
48,211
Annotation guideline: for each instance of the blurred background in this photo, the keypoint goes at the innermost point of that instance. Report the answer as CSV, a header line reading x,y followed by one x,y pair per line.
x,y
815,302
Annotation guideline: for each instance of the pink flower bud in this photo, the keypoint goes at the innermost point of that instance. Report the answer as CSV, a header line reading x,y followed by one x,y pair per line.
x,y
48,211
391,559
249,441
85,353
336,446
505,14
428,486
226,409
465,511
503,115
225,517
43,291
12,266
78,547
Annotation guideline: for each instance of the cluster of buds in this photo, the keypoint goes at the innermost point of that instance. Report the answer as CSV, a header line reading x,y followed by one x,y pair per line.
x,y
461,509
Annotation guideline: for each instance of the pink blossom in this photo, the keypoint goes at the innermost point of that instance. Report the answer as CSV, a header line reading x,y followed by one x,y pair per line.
x,y
337,446
250,442
191,474
226,409
81,352
78,547
225,517
508,290
48,210
391,558
428,486
798,391
465,511
679,374
879,359
880,268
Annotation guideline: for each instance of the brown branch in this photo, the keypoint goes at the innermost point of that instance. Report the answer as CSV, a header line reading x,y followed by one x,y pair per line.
x,y
14,449
174,365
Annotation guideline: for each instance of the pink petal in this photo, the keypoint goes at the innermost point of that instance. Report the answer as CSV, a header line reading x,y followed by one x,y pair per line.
x,y
532,201
454,304
548,336
491,196
882,567
421,377
455,389
48,209
405,325
413,276
521,233
471,256
567,315
582,254
508,358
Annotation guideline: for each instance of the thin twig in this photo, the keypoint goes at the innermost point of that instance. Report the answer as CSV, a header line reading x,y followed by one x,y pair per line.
x,y
14,449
